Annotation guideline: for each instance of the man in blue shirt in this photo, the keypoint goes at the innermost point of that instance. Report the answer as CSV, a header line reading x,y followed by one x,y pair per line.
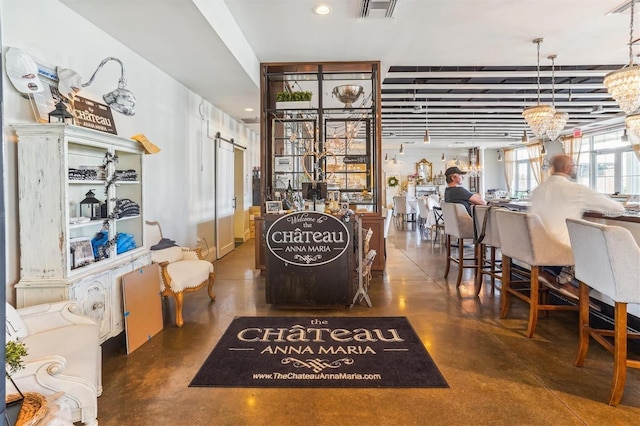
x,y
456,193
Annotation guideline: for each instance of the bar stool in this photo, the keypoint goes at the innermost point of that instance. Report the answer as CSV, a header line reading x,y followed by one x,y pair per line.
x,y
523,237
607,260
487,236
458,224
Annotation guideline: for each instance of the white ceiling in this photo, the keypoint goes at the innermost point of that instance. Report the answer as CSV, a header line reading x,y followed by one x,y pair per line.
x,y
214,47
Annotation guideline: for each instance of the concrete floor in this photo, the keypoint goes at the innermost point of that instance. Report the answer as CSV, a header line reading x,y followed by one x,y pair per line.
x,y
496,375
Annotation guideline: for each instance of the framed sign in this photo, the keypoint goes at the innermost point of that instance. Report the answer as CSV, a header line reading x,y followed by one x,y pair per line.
x,y
93,115
273,206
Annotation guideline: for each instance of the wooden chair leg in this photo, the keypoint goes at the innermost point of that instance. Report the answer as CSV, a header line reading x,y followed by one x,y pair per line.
x,y
583,325
460,261
506,284
179,303
493,269
481,253
534,297
619,353
448,243
212,278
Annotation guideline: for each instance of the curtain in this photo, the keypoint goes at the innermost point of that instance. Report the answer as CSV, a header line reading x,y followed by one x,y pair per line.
x,y
636,150
509,168
572,147
535,160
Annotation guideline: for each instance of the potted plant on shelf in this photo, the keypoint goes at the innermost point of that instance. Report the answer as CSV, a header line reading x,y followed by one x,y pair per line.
x,y
14,352
293,100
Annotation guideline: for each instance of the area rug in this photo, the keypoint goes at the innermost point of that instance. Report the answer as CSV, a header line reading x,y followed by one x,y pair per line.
x,y
319,352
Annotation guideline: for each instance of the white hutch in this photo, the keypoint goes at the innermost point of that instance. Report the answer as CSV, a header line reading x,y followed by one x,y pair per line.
x,y
58,165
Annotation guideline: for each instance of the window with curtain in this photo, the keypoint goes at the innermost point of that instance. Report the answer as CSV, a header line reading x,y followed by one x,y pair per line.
x,y
524,178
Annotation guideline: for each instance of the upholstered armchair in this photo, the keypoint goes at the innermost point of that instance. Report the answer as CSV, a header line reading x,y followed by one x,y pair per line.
x,y
182,270
64,355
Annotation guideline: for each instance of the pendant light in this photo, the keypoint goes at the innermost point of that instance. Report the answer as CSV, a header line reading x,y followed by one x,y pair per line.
x,y
624,84
525,137
442,158
539,116
401,152
427,139
559,119
499,155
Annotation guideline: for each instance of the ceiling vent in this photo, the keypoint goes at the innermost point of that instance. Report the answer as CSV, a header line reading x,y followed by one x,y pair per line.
x,y
378,8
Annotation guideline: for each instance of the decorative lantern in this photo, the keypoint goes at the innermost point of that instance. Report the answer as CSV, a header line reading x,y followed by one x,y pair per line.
x,y
90,206
61,115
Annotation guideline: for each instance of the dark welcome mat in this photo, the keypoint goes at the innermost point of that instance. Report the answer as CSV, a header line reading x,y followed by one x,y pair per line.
x,y
316,352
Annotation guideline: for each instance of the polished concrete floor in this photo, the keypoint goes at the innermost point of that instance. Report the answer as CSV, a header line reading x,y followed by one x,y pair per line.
x,y
496,375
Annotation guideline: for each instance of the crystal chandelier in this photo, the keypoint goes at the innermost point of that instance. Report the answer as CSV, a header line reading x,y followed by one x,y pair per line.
x,y
633,125
624,84
559,119
539,116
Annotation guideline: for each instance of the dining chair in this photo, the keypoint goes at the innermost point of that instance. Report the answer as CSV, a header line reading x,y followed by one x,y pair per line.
x,y
437,229
425,219
458,224
607,259
523,237
488,238
400,211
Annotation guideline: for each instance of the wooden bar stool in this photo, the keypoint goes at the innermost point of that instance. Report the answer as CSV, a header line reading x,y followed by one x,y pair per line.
x,y
607,260
487,236
458,224
523,237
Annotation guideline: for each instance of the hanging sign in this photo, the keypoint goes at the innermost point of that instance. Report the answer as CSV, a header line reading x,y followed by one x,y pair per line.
x,y
355,159
307,238
93,115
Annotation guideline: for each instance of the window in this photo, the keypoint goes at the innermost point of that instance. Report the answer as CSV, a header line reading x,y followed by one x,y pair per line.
x,y
630,173
524,180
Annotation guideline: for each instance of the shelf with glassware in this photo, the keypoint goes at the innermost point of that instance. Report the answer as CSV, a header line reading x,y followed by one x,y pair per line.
x,y
331,142
82,228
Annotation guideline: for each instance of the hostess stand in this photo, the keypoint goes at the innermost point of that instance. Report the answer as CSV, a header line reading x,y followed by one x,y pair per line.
x,y
316,259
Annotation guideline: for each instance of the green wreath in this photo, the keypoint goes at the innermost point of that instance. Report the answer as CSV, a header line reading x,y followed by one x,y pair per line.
x,y
392,181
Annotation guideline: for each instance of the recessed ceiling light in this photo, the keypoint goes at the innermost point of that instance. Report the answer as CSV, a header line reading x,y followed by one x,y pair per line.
x,y
248,109
322,9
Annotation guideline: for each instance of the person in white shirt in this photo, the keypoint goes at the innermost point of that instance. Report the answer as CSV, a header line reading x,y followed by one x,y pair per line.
x,y
559,198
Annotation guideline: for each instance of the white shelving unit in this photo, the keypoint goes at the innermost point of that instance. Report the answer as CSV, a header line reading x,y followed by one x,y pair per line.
x,y
50,198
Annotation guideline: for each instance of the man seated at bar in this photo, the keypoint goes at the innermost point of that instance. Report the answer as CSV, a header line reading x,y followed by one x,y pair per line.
x,y
456,193
560,197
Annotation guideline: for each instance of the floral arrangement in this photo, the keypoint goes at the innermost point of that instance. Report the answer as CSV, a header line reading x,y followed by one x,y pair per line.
x,y
392,181
14,352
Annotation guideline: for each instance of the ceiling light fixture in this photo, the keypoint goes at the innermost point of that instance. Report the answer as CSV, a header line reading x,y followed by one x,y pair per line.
x,y
442,158
624,137
624,84
427,139
322,9
539,116
386,156
401,149
559,119
525,137
499,155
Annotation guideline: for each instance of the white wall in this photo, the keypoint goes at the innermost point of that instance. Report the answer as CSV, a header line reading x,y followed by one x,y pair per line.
x,y
178,181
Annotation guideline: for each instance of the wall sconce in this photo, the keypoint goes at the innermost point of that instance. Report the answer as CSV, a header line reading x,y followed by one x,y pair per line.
x,y
61,115
499,155
120,99
386,156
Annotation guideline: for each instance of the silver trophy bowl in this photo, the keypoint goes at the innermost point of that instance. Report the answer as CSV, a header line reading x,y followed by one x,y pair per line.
x,y
348,94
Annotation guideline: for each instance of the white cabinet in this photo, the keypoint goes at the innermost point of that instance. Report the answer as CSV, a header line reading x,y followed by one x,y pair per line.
x,y
57,167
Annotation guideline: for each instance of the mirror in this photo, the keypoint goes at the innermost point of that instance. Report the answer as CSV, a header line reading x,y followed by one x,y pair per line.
x,y
424,171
